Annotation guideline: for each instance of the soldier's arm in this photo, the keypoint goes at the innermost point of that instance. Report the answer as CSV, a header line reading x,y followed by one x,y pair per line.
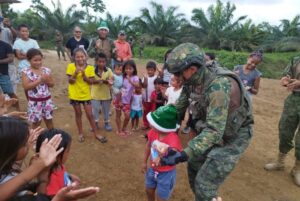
x,y
92,50
113,49
288,70
183,102
217,113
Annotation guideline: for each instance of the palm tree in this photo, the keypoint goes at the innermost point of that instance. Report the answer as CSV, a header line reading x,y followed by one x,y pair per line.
x,y
161,25
217,23
58,19
291,28
118,23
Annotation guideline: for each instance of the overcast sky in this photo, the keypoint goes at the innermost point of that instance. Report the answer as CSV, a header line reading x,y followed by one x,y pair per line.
x,y
271,11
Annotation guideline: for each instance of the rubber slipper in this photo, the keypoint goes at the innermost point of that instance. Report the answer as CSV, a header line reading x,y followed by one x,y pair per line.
x,y
81,138
102,139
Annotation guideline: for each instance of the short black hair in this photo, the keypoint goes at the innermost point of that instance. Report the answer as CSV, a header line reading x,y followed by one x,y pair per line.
x,y
101,55
211,55
33,52
22,26
151,64
159,81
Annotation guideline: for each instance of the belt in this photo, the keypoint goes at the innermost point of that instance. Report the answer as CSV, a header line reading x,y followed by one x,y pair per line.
x,y
296,93
39,99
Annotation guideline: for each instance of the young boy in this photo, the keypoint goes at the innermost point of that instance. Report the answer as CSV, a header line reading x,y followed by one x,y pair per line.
x,y
148,85
161,179
22,45
157,97
100,91
173,92
136,107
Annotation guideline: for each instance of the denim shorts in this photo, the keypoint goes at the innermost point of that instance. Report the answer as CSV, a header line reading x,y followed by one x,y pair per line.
x,y
5,84
163,182
136,113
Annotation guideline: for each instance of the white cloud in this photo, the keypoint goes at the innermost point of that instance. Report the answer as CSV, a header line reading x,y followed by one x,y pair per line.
x,y
258,10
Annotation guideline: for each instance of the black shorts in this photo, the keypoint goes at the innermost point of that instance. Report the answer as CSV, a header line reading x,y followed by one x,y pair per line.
x,y
77,102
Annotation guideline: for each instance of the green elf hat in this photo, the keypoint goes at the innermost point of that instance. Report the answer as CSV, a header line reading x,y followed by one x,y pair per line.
x,y
103,25
164,119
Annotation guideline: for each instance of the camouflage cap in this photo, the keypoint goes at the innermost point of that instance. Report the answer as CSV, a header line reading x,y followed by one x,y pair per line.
x,y
183,56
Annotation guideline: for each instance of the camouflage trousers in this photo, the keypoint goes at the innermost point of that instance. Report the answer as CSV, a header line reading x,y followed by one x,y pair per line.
x,y
60,49
289,125
207,172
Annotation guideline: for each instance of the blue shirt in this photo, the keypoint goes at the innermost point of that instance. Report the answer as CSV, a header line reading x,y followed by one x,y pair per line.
x,y
247,79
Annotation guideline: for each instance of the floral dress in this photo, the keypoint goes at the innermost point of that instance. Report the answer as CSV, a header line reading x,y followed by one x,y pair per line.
x,y
40,105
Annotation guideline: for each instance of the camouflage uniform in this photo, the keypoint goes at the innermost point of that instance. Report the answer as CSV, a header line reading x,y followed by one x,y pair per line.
x,y
289,121
107,47
222,119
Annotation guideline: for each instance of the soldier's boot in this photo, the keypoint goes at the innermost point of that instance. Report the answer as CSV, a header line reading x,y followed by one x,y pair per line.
x,y
296,173
279,165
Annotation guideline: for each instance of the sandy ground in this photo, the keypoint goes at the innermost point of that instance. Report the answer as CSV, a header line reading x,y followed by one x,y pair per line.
x,y
115,166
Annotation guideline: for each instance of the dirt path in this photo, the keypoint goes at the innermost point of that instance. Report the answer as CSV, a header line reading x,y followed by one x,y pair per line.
x,y
115,166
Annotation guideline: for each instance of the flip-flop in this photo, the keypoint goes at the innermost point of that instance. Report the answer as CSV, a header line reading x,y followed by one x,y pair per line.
x,y
102,139
81,138
127,133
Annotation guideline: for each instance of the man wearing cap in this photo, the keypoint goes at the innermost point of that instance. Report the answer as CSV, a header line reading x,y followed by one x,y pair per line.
x,y
102,43
221,120
123,49
77,41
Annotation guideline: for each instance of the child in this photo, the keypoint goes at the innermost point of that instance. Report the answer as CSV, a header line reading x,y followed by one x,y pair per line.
x,y
21,46
157,97
148,84
161,179
81,76
36,81
173,92
136,107
55,178
117,84
101,91
248,73
164,73
130,80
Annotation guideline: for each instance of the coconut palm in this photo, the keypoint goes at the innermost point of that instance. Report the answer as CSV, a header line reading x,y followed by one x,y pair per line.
x,y
118,23
217,23
291,28
161,25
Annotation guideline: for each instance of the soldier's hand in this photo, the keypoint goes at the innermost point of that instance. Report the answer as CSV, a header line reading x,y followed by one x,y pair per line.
x,y
294,84
173,157
284,81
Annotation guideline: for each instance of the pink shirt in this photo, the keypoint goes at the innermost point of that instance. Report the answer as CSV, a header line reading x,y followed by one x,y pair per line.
x,y
123,50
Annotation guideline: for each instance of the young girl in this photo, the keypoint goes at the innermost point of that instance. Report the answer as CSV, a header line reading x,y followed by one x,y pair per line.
x,y
130,80
55,178
81,76
36,81
173,92
164,73
136,107
101,91
248,73
157,97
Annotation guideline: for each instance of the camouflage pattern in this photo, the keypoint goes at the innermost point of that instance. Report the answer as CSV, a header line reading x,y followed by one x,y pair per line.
x,y
183,56
289,121
107,47
222,118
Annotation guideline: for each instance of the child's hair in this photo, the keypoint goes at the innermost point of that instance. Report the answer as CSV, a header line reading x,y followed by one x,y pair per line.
x,y
14,135
22,26
33,52
258,54
211,55
129,63
151,64
79,49
49,134
101,55
159,81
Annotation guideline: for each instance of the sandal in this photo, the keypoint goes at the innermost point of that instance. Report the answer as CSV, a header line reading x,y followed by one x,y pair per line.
x,y
81,138
127,133
102,139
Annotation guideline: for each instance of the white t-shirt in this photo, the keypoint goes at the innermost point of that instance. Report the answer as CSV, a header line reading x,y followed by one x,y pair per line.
x,y
136,103
23,46
150,88
172,95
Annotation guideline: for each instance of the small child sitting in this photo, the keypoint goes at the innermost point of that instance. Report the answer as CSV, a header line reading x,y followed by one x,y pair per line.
x,y
161,138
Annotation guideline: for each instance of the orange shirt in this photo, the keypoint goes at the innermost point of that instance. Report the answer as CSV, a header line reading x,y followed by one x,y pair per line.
x,y
123,50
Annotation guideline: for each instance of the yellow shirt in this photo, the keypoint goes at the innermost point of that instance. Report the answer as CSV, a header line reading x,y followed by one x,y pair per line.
x,y
80,90
102,91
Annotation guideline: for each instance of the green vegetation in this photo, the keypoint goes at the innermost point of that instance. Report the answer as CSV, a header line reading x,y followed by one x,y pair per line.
x,y
271,67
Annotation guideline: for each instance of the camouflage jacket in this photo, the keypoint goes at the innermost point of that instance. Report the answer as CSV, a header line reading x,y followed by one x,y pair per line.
x,y
293,68
219,108
107,47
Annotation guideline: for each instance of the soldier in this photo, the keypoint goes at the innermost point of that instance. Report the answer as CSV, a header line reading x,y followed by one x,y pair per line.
x,y
141,47
102,44
221,121
289,121
59,44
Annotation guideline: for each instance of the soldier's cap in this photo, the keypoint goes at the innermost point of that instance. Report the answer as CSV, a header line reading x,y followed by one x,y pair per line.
x,y
122,32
